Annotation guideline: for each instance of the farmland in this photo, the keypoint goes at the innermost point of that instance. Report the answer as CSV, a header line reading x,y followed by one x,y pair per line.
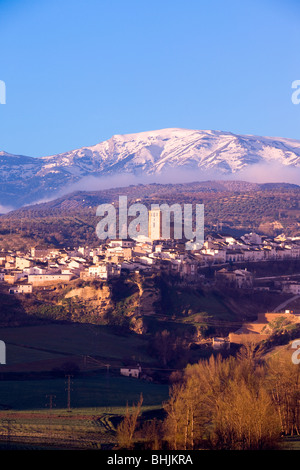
x,y
35,370
99,390
51,341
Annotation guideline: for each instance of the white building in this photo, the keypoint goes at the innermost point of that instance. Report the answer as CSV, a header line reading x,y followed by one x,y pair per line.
x,y
21,289
252,238
293,288
22,263
133,371
48,278
122,243
220,343
104,271
217,255
35,270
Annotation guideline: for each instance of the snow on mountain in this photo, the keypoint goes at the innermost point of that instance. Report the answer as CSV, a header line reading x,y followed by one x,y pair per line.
x,y
144,153
152,152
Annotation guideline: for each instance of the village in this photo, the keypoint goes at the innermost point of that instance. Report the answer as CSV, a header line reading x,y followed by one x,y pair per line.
x,y
223,261
43,266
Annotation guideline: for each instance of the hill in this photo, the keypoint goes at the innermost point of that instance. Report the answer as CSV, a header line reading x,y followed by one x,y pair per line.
x,y
234,206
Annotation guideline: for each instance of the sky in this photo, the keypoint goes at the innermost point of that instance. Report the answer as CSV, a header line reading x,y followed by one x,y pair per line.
x,y
79,71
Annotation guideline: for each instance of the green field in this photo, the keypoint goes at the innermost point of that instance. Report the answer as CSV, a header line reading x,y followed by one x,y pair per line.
x,y
38,343
98,396
98,391
190,301
97,404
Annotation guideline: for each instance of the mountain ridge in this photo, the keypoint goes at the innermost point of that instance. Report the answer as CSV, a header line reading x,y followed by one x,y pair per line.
x,y
24,180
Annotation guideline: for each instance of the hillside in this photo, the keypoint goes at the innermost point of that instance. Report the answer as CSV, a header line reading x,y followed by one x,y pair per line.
x,y
232,206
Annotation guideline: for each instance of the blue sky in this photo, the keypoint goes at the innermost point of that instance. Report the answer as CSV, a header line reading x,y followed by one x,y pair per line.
x,y
77,72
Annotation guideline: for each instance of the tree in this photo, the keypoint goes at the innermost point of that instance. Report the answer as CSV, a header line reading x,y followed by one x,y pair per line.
x,y
223,402
127,428
151,435
245,419
170,349
163,346
284,387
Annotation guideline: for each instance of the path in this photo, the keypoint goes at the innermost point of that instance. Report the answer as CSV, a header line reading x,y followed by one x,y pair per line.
x,y
284,304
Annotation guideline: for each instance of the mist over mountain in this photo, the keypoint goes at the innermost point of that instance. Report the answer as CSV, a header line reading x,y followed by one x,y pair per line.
x,y
162,156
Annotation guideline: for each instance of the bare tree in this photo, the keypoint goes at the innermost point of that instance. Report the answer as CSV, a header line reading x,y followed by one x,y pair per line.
x,y
284,387
127,428
225,402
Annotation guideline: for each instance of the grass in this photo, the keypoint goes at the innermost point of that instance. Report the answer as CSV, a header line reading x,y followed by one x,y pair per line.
x,y
33,343
93,428
19,354
178,301
98,399
98,391
291,443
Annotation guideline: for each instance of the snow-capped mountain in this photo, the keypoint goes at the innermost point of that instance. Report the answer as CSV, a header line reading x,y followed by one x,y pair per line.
x,y
26,179
152,152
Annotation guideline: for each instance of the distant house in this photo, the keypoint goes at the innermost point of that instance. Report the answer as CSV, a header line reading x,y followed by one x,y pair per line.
x,y
21,289
48,278
291,287
220,343
216,254
35,270
243,279
104,271
23,263
252,238
12,277
240,278
234,256
131,371
121,243
39,253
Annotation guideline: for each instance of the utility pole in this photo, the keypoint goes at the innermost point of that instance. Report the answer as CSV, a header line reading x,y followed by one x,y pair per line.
x,y
50,404
69,390
107,374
